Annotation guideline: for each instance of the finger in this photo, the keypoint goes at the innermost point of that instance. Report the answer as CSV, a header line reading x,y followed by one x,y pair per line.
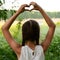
x,y
32,3
26,5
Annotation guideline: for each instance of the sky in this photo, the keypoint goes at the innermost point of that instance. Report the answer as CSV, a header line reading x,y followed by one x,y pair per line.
x,y
48,5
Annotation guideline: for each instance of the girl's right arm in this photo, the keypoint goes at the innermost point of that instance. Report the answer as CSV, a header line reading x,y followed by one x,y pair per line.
x,y
50,23
5,29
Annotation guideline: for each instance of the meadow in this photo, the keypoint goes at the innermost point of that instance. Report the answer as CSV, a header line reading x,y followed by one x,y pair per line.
x,y
53,52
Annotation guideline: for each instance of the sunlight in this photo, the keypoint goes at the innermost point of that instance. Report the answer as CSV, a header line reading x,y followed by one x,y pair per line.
x,y
48,5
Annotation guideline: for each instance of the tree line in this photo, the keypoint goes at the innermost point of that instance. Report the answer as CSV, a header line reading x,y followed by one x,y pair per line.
x,y
5,14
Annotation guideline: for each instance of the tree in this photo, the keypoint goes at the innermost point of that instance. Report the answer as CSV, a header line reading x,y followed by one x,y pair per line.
x,y
2,2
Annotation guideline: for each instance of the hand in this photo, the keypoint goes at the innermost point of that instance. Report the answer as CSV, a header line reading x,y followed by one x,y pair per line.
x,y
36,6
22,8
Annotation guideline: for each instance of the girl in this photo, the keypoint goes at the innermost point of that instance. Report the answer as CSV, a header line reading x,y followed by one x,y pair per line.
x,y
30,48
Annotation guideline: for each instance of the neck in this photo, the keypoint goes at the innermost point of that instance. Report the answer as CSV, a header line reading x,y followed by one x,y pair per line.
x,y
31,45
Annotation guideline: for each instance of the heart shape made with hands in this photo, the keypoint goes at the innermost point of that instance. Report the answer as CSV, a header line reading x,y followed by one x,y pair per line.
x,y
29,8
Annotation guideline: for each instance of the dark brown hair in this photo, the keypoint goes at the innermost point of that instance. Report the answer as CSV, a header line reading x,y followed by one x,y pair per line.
x,y
30,31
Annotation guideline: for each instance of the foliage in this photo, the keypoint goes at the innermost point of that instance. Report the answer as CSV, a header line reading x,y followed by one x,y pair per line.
x,y
2,2
5,14
53,52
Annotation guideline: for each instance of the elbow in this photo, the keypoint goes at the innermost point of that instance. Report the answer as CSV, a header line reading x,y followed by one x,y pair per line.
x,y
53,27
3,28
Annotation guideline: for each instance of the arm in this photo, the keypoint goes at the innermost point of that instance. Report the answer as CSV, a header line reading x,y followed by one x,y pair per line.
x,y
5,29
45,44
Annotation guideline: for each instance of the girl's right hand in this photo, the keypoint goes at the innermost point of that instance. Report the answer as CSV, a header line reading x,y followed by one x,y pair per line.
x,y
22,8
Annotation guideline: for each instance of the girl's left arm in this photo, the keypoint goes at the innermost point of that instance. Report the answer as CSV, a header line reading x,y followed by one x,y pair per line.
x,y
46,43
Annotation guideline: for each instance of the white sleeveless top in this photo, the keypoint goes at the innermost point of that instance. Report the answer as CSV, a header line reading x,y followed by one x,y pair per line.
x,y
28,54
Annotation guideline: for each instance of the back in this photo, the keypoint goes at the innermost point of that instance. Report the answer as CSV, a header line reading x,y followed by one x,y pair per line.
x,y
28,54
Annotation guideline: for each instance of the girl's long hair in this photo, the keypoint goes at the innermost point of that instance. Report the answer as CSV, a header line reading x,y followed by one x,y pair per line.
x,y
30,32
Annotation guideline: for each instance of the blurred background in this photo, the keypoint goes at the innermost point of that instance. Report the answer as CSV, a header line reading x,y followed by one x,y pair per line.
x,y
9,7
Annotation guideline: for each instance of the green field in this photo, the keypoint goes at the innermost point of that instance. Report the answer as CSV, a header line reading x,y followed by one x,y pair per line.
x,y
53,52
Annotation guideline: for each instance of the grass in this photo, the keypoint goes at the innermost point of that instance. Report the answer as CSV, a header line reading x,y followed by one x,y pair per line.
x,y
53,52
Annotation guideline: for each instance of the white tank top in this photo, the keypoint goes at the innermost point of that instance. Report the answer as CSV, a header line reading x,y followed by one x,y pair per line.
x,y
28,54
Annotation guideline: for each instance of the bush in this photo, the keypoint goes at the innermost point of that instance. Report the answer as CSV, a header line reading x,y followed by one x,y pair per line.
x,y
53,52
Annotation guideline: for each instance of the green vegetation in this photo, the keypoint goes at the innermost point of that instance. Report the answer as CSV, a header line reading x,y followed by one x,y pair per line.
x,y
2,2
5,14
53,52
6,53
